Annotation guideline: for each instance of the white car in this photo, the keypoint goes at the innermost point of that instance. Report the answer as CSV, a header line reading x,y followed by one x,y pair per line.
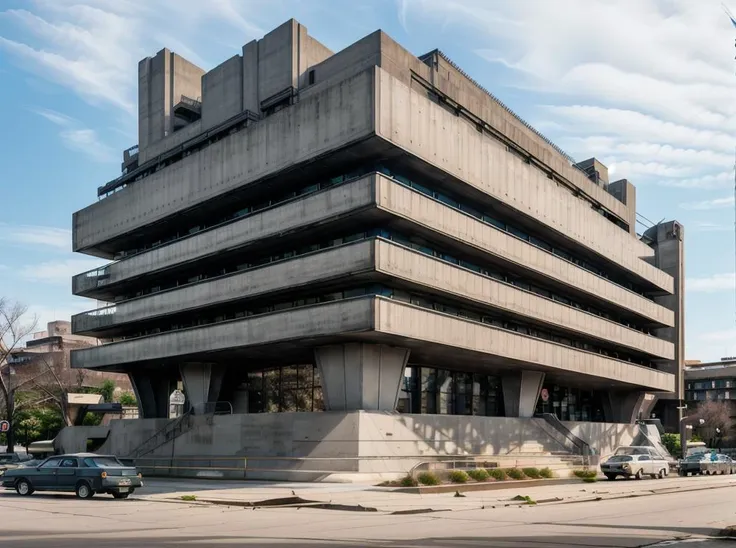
x,y
635,462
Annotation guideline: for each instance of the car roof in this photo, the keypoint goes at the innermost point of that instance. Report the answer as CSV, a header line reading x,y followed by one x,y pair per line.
x,y
85,455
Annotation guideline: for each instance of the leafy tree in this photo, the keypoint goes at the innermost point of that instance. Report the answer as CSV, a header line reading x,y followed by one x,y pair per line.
x,y
128,399
672,443
15,326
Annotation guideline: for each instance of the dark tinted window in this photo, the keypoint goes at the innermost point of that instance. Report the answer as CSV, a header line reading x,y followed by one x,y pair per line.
x,y
102,462
69,463
51,463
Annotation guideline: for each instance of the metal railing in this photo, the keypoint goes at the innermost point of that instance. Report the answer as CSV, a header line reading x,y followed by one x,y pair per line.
x,y
170,432
574,443
213,408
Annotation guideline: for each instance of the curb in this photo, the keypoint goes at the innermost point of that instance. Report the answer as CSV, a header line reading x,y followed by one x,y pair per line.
x,y
486,486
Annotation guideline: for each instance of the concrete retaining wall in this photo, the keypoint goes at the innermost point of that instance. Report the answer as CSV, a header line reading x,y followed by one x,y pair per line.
x,y
333,445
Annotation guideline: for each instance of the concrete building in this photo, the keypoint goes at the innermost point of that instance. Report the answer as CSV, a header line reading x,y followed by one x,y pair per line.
x,y
370,231
711,381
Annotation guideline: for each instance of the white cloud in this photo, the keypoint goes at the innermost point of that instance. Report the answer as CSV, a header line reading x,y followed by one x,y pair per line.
x,y
711,284
93,47
710,227
59,238
58,272
716,203
725,335
78,138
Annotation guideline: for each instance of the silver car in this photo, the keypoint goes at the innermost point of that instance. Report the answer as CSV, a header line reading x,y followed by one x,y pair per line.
x,y
635,462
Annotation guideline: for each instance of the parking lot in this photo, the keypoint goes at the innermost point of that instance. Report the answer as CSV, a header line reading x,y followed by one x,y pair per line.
x,y
586,516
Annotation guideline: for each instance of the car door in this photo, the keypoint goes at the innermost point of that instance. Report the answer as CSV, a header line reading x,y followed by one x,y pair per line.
x,y
645,464
66,474
45,475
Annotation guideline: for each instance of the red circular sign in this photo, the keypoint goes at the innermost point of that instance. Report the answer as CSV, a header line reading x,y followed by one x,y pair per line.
x,y
544,394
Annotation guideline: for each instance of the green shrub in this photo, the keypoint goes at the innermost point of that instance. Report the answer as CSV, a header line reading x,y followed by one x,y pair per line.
x,y
532,473
458,476
671,442
590,480
479,474
515,473
428,478
546,473
408,481
189,498
498,474
585,474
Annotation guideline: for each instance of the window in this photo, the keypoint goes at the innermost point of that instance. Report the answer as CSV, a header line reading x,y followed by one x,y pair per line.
x,y
102,462
69,463
311,77
51,463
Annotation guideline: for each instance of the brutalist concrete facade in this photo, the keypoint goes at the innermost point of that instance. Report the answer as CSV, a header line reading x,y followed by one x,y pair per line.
x,y
369,213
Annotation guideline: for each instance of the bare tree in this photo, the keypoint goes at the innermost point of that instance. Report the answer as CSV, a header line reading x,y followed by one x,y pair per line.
x,y
15,325
716,421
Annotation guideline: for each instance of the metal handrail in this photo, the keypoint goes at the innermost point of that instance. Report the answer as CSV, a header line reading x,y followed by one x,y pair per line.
x,y
579,444
169,428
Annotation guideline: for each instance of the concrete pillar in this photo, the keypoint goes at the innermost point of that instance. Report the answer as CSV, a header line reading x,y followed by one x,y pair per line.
x,y
520,393
361,376
202,384
623,407
152,393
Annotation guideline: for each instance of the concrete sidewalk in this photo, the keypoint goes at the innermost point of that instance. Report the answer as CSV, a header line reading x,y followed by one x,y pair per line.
x,y
386,500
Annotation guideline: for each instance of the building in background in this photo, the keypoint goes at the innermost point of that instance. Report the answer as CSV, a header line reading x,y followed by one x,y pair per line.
x,y
52,348
367,230
714,381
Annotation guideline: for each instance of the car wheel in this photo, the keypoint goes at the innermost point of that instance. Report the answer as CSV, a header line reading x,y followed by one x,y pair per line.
x,y
23,487
84,491
662,473
120,495
610,477
639,474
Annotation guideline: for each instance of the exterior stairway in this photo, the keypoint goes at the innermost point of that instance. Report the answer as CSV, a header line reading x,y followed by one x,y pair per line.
x,y
168,433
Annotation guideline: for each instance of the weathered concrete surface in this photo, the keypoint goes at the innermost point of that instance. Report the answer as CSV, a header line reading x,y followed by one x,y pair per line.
x,y
471,521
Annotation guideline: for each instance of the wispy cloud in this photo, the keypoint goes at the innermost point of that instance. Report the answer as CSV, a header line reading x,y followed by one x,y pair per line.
x,y
711,284
716,203
57,272
92,47
78,138
711,227
58,238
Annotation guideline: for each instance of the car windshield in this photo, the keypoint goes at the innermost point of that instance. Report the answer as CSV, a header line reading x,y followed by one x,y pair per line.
x,y
8,458
696,458
632,451
620,458
103,462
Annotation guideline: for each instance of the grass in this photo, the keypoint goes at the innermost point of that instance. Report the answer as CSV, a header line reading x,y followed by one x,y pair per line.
x,y
532,473
408,481
546,473
515,473
498,474
428,478
189,498
479,474
458,476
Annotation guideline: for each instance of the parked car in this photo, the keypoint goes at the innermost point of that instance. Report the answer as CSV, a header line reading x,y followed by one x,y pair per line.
x,y
8,461
707,463
82,473
635,462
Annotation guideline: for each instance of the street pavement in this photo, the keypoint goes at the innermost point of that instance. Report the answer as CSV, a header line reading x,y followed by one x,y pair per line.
x,y
618,514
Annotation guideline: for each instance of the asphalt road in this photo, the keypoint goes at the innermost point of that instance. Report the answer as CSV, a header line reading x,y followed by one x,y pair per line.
x,y
62,521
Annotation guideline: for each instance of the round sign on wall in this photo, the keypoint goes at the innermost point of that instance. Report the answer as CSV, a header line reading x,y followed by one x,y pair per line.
x,y
544,394
4,426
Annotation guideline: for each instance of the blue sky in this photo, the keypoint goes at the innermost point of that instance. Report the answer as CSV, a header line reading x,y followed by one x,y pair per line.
x,y
646,86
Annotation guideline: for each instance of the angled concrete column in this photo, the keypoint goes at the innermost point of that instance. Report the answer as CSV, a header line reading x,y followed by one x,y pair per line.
x,y
361,376
152,393
202,384
623,407
520,393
